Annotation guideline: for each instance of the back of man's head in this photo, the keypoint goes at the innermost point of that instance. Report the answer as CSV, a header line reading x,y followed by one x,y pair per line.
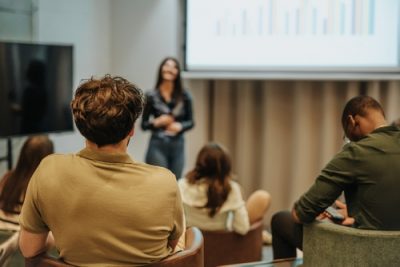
x,y
105,110
360,105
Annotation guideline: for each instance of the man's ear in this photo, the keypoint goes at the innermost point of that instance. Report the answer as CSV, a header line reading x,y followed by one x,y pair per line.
x,y
132,132
352,121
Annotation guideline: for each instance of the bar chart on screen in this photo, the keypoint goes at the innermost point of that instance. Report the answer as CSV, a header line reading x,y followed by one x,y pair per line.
x,y
298,17
265,34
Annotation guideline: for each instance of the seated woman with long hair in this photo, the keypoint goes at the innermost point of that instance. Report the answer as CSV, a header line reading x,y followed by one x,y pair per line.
x,y
13,188
213,201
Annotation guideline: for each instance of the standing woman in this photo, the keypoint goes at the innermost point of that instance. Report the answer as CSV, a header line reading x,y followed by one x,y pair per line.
x,y
168,114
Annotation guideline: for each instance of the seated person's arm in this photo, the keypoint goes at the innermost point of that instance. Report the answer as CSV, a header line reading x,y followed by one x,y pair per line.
x,y
32,244
334,178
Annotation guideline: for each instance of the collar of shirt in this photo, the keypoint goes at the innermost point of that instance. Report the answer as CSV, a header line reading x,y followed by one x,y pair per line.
x,y
104,156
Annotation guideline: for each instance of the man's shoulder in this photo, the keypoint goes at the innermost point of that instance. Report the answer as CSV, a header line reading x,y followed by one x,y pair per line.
x,y
155,172
57,159
387,136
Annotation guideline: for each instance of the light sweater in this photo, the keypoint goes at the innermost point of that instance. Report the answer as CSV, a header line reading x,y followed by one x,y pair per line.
x,y
232,215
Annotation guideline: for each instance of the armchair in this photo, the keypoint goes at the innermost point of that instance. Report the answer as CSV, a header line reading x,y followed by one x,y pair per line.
x,y
329,244
223,247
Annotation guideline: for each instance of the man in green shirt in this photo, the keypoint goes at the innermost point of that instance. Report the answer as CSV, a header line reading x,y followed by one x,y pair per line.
x,y
103,208
367,170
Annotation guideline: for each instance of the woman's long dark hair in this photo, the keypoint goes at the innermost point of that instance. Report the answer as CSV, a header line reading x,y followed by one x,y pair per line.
x,y
214,165
178,89
33,151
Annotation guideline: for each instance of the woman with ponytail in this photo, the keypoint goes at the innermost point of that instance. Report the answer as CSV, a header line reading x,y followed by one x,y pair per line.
x,y
213,201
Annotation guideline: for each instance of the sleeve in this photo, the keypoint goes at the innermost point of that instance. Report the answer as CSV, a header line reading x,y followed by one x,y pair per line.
x,y
333,179
187,121
179,217
147,111
241,223
31,216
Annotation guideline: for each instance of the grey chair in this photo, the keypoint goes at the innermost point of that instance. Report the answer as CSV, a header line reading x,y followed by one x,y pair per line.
x,y
10,255
329,244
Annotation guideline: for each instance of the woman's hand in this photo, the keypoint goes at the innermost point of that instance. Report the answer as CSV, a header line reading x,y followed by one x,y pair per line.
x,y
173,128
163,120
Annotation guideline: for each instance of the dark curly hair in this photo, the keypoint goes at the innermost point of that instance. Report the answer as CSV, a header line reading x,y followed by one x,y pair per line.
x,y
106,110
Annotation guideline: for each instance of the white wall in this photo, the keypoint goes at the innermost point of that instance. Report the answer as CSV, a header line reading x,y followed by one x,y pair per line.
x,y
143,32
15,20
86,25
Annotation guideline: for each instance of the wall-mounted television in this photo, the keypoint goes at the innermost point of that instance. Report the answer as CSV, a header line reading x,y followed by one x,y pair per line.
x,y
35,88
293,35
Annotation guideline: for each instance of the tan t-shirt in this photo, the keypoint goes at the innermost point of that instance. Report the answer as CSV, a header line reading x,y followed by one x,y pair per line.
x,y
104,209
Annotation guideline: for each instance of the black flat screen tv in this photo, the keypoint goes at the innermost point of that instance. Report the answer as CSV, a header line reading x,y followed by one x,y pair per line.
x,y
35,88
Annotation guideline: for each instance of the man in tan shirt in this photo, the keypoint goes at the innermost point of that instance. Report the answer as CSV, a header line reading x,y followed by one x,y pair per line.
x,y
103,208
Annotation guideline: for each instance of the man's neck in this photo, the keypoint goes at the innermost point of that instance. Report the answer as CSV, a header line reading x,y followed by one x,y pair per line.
x,y
379,121
120,147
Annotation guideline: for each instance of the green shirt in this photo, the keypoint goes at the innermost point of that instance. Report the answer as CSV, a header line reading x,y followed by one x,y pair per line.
x,y
368,171
104,209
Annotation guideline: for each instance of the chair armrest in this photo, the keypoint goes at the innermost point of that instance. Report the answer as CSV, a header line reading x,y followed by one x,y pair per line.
x,y
45,260
331,244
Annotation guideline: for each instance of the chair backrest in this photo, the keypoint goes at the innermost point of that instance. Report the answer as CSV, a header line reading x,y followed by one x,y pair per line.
x,y
192,255
223,247
45,260
329,244
10,255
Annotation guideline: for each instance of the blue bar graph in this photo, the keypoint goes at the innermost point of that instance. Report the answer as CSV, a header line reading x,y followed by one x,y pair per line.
x,y
244,22
354,16
260,21
371,20
270,16
314,21
287,23
342,18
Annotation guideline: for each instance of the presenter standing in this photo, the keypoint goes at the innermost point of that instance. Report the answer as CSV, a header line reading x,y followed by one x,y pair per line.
x,y
168,114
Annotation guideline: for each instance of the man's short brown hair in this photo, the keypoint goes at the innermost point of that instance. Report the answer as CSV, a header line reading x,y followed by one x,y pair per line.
x,y
105,110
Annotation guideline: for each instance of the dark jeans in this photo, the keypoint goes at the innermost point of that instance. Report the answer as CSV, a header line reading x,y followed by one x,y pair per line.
x,y
168,152
286,235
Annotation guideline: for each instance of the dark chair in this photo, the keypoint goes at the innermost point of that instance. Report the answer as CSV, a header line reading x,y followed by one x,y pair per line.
x,y
223,247
45,260
192,255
